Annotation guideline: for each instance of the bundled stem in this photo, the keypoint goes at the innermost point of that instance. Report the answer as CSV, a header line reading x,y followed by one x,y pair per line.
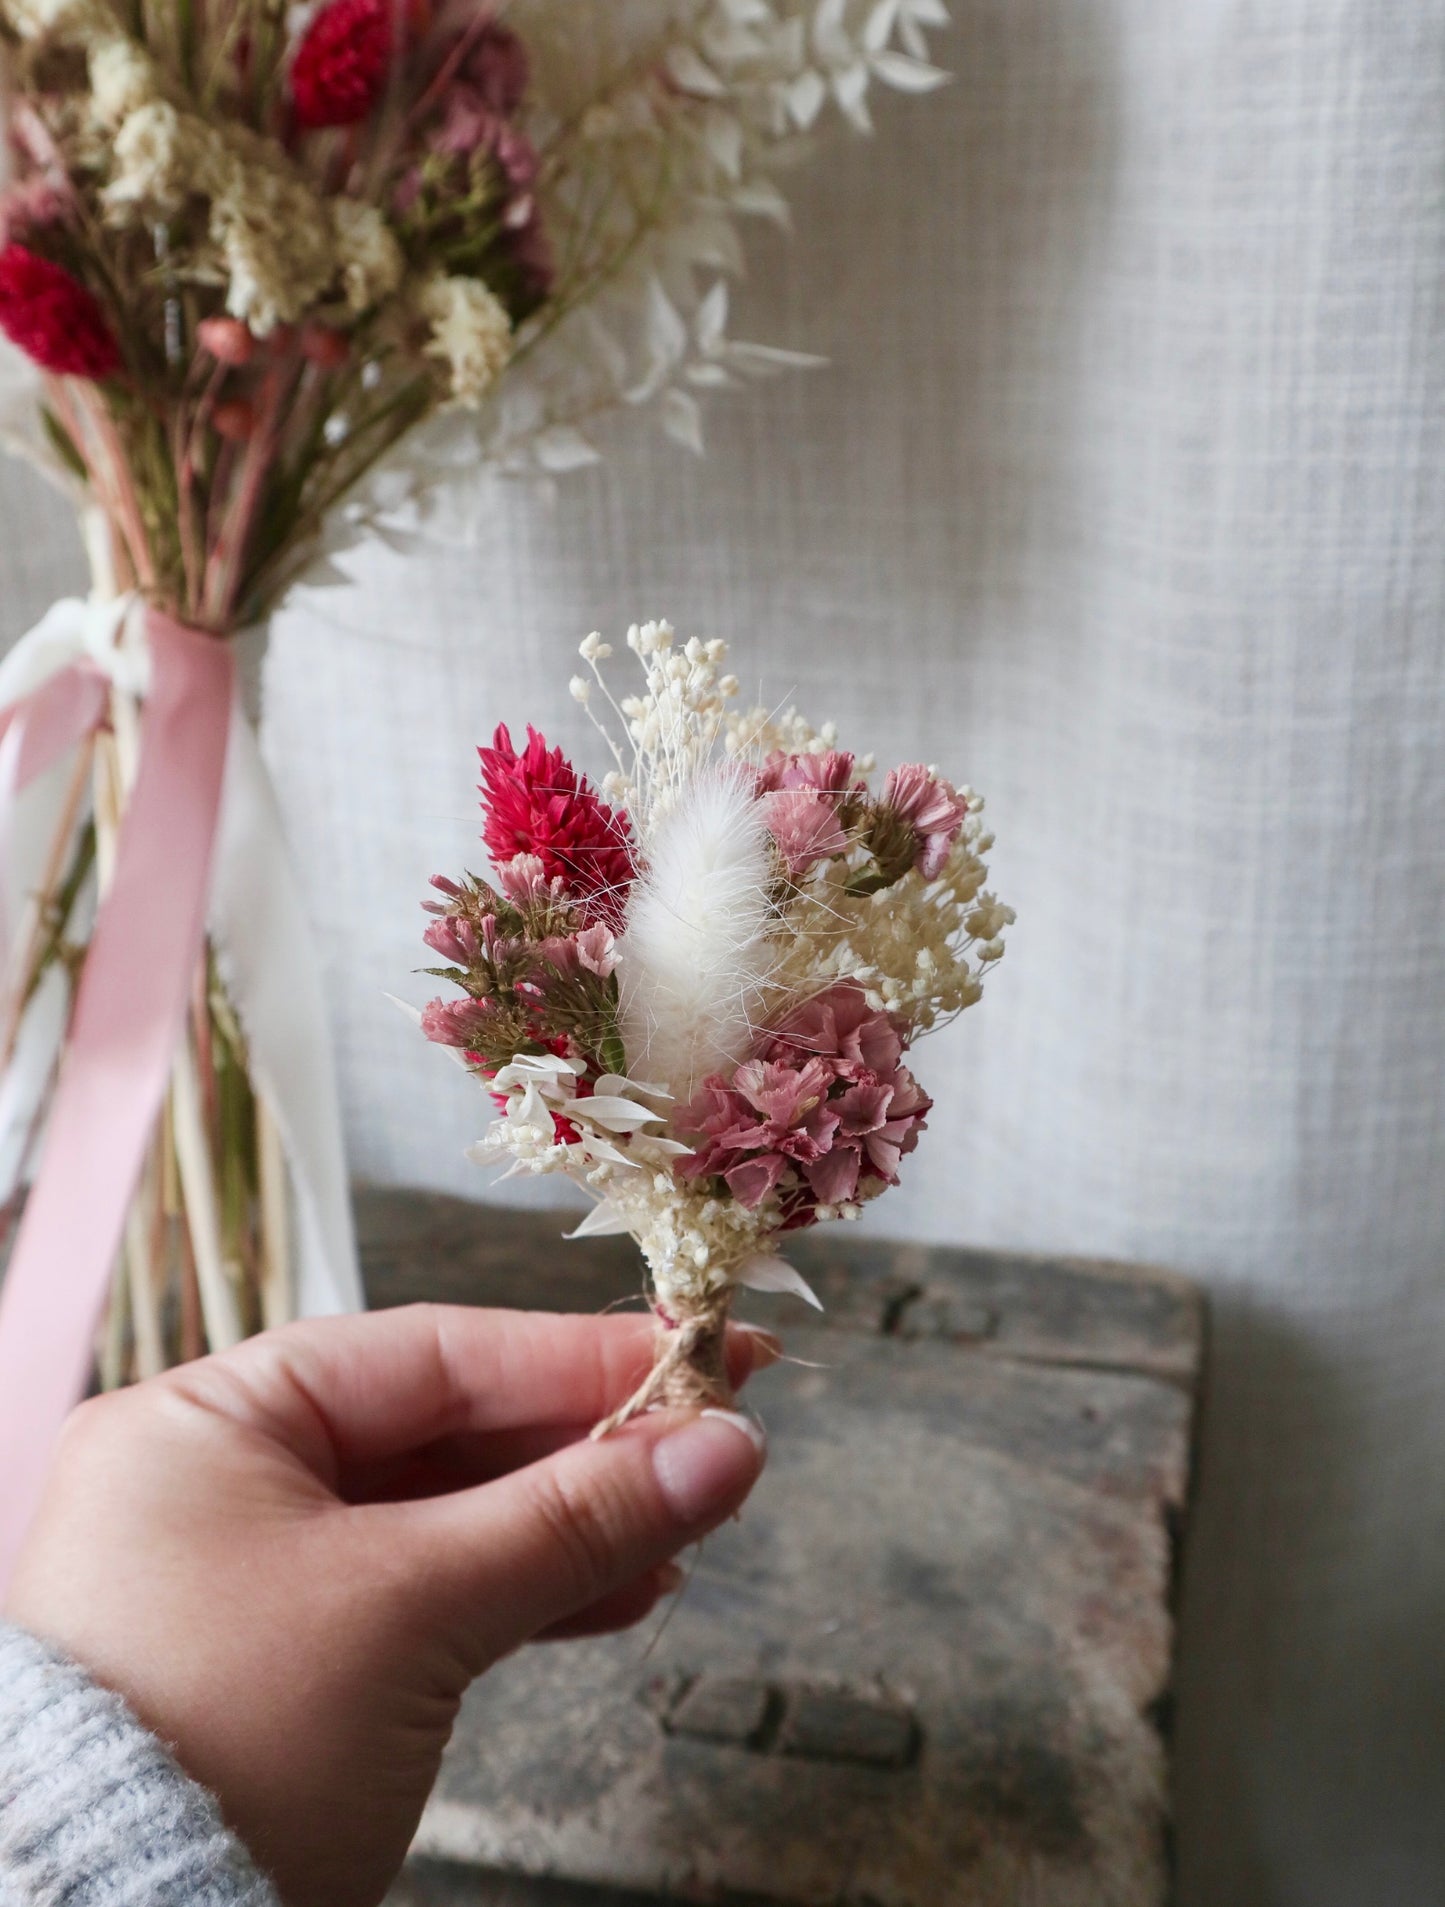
x,y
689,1369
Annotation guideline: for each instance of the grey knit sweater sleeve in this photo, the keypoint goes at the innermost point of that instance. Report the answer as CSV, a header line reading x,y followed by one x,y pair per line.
x,y
93,1811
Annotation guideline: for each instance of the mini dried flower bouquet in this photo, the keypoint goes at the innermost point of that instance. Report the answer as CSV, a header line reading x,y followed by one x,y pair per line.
x,y
693,992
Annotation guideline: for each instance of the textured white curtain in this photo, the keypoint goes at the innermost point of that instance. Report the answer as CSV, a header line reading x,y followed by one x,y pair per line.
x,y
1124,497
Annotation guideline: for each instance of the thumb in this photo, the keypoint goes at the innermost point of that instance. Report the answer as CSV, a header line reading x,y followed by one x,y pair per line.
x,y
527,1551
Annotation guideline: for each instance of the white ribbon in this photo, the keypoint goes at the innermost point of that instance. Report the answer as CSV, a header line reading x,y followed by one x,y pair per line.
x,y
262,941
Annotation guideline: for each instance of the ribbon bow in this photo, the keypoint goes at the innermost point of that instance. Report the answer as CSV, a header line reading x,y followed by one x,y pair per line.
x,y
200,843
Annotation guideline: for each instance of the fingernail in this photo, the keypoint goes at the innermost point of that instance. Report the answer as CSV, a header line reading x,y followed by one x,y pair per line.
x,y
670,1578
703,1468
765,1348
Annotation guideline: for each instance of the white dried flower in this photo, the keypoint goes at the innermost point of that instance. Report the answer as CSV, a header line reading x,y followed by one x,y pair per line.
x,y
78,22
157,158
368,255
274,233
123,78
677,127
470,333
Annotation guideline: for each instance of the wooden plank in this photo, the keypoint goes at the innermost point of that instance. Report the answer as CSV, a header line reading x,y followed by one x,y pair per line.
x,y
928,1665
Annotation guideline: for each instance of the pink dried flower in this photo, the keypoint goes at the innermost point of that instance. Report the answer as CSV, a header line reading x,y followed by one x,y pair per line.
x,y
525,882
591,951
235,420
497,67
29,205
454,938
471,126
830,773
856,1038
804,825
932,808
824,1113
877,1124
596,950
456,1022
227,339
324,346
750,1131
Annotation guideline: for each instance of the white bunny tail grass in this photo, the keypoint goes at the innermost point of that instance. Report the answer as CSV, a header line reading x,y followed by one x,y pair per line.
x,y
695,952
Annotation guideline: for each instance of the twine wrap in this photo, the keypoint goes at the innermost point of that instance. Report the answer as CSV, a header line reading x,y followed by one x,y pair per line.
x,y
690,1368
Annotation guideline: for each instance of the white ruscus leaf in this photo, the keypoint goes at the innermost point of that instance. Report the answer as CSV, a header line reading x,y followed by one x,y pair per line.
x,y
766,1272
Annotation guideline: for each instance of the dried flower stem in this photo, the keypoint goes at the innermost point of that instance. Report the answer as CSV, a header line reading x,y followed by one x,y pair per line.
x,y
143,1271
224,567
193,1342
277,1295
24,973
201,1207
689,1370
114,1336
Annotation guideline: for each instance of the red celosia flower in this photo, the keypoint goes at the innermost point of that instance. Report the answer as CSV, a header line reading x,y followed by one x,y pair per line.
x,y
536,803
53,317
341,64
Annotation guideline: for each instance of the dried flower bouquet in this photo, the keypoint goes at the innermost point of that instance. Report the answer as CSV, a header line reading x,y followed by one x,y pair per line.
x,y
693,992
247,251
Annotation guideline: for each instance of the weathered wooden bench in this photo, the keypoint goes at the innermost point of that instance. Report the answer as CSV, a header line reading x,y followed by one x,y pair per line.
x,y
928,1667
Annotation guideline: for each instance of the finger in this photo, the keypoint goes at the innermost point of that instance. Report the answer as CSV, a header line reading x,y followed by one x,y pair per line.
x,y
504,1562
348,1391
453,1463
623,1609
462,1461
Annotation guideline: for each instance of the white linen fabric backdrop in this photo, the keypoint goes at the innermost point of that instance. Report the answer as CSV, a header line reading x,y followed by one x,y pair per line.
x,y
1122,498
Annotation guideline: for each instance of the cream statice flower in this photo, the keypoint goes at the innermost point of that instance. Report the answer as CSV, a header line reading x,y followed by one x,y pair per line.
x,y
712,1038
69,22
368,254
157,156
273,231
471,334
123,78
278,243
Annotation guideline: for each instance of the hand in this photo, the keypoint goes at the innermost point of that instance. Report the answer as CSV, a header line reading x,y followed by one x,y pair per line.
x,y
292,1559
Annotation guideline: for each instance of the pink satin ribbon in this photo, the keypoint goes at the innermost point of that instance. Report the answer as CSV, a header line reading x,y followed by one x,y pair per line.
x,y
57,715
128,1017
37,731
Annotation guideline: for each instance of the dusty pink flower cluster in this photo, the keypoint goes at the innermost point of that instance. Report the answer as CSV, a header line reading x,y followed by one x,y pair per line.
x,y
818,809
822,1114
476,141
808,799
